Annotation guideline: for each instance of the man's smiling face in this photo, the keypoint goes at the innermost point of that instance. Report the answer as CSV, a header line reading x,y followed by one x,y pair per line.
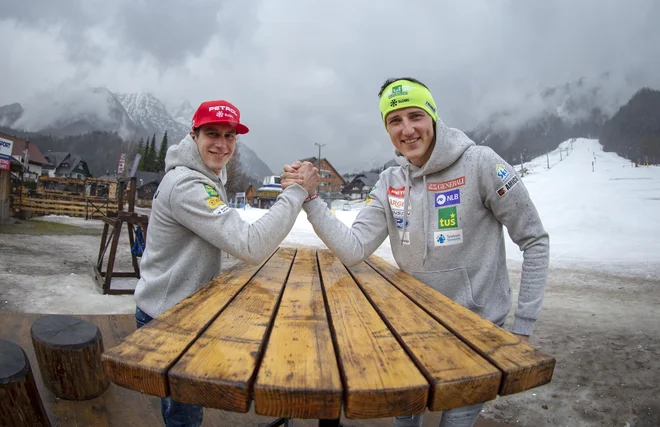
x,y
216,143
411,131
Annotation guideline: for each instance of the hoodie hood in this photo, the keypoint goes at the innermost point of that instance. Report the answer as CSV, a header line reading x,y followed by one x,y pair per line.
x,y
186,153
450,144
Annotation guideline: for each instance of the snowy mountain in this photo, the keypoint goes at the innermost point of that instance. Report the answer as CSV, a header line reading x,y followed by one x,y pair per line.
x,y
545,118
67,111
183,113
251,164
150,114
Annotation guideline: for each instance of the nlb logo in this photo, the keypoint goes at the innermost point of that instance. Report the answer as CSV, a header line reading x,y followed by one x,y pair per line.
x,y
447,198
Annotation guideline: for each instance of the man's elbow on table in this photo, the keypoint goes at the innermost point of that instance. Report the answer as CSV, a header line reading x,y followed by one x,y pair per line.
x,y
255,258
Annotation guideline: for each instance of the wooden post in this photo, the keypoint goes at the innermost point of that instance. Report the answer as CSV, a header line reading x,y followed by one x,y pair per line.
x,y
20,403
68,352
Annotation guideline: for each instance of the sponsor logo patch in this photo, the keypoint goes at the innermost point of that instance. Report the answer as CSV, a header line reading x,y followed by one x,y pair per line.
x,y
501,172
448,198
406,237
369,200
396,192
447,218
221,209
448,238
399,223
396,203
214,202
398,213
210,190
445,185
507,186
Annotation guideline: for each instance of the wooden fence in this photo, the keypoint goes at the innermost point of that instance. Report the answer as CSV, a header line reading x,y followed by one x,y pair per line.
x,y
57,203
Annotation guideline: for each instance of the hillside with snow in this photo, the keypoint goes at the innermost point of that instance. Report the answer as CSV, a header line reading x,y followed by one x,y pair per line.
x,y
606,219
150,113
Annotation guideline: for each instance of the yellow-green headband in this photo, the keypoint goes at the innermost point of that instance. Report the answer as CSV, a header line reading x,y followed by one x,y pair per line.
x,y
404,94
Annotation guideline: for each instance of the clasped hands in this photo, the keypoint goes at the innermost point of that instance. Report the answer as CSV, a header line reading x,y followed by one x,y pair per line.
x,y
304,174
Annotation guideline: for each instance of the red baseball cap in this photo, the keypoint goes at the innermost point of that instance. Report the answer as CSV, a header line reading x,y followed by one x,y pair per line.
x,y
220,112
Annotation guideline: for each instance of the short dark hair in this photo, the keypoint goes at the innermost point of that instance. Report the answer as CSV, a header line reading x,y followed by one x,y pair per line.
x,y
197,130
392,80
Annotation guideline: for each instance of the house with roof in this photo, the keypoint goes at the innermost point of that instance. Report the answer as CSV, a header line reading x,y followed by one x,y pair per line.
x,y
25,150
360,186
331,180
146,183
63,164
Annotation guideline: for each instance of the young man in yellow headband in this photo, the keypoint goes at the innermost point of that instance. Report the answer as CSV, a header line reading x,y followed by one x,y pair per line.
x,y
443,208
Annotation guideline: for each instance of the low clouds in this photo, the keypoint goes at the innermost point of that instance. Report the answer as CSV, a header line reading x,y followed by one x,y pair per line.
x,y
304,72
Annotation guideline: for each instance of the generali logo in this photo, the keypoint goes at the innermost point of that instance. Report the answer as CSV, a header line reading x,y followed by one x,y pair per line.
x,y
445,185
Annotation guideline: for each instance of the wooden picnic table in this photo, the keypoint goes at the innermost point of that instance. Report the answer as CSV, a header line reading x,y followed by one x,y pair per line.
x,y
302,336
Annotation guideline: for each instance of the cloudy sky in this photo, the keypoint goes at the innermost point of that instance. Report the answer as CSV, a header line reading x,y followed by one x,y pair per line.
x,y
305,72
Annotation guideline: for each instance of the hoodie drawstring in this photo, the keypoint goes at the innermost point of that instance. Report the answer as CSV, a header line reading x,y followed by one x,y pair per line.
x,y
406,168
406,198
426,223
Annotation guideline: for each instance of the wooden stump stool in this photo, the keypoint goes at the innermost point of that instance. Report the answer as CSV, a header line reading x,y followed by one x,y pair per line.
x,y
69,356
20,403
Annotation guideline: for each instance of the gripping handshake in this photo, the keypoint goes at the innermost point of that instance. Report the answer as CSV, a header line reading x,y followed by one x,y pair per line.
x,y
303,173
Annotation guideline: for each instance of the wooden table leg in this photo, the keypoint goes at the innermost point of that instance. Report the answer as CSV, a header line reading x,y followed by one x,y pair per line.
x,y
286,422
330,423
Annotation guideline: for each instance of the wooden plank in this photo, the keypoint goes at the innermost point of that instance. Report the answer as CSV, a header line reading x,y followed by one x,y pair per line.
x,y
142,360
54,202
299,376
523,367
217,371
458,376
380,380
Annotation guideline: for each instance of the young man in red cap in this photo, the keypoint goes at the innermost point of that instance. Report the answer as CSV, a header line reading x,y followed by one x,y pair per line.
x,y
444,208
190,224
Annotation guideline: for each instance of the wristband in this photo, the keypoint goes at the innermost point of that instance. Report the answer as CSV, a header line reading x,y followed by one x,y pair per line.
x,y
311,197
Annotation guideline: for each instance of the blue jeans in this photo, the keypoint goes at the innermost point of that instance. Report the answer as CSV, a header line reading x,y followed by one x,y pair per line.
x,y
458,417
175,414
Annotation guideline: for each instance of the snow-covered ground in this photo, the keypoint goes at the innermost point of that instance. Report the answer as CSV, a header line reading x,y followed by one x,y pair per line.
x,y
604,216
606,219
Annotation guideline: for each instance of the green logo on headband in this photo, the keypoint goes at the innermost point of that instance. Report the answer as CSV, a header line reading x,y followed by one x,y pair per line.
x,y
397,91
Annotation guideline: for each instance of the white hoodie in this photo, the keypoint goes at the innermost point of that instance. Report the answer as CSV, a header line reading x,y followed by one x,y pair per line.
x,y
191,224
445,222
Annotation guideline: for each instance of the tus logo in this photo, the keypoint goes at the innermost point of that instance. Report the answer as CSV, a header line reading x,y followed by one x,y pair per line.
x,y
447,218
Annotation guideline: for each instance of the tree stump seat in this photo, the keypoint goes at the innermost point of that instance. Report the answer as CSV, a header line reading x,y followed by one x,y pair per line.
x,y
20,403
68,353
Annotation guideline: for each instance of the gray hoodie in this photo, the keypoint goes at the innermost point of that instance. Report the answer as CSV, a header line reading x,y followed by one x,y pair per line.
x,y
445,222
191,224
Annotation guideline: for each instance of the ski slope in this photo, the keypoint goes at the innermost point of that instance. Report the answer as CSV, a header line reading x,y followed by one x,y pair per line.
x,y
608,219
